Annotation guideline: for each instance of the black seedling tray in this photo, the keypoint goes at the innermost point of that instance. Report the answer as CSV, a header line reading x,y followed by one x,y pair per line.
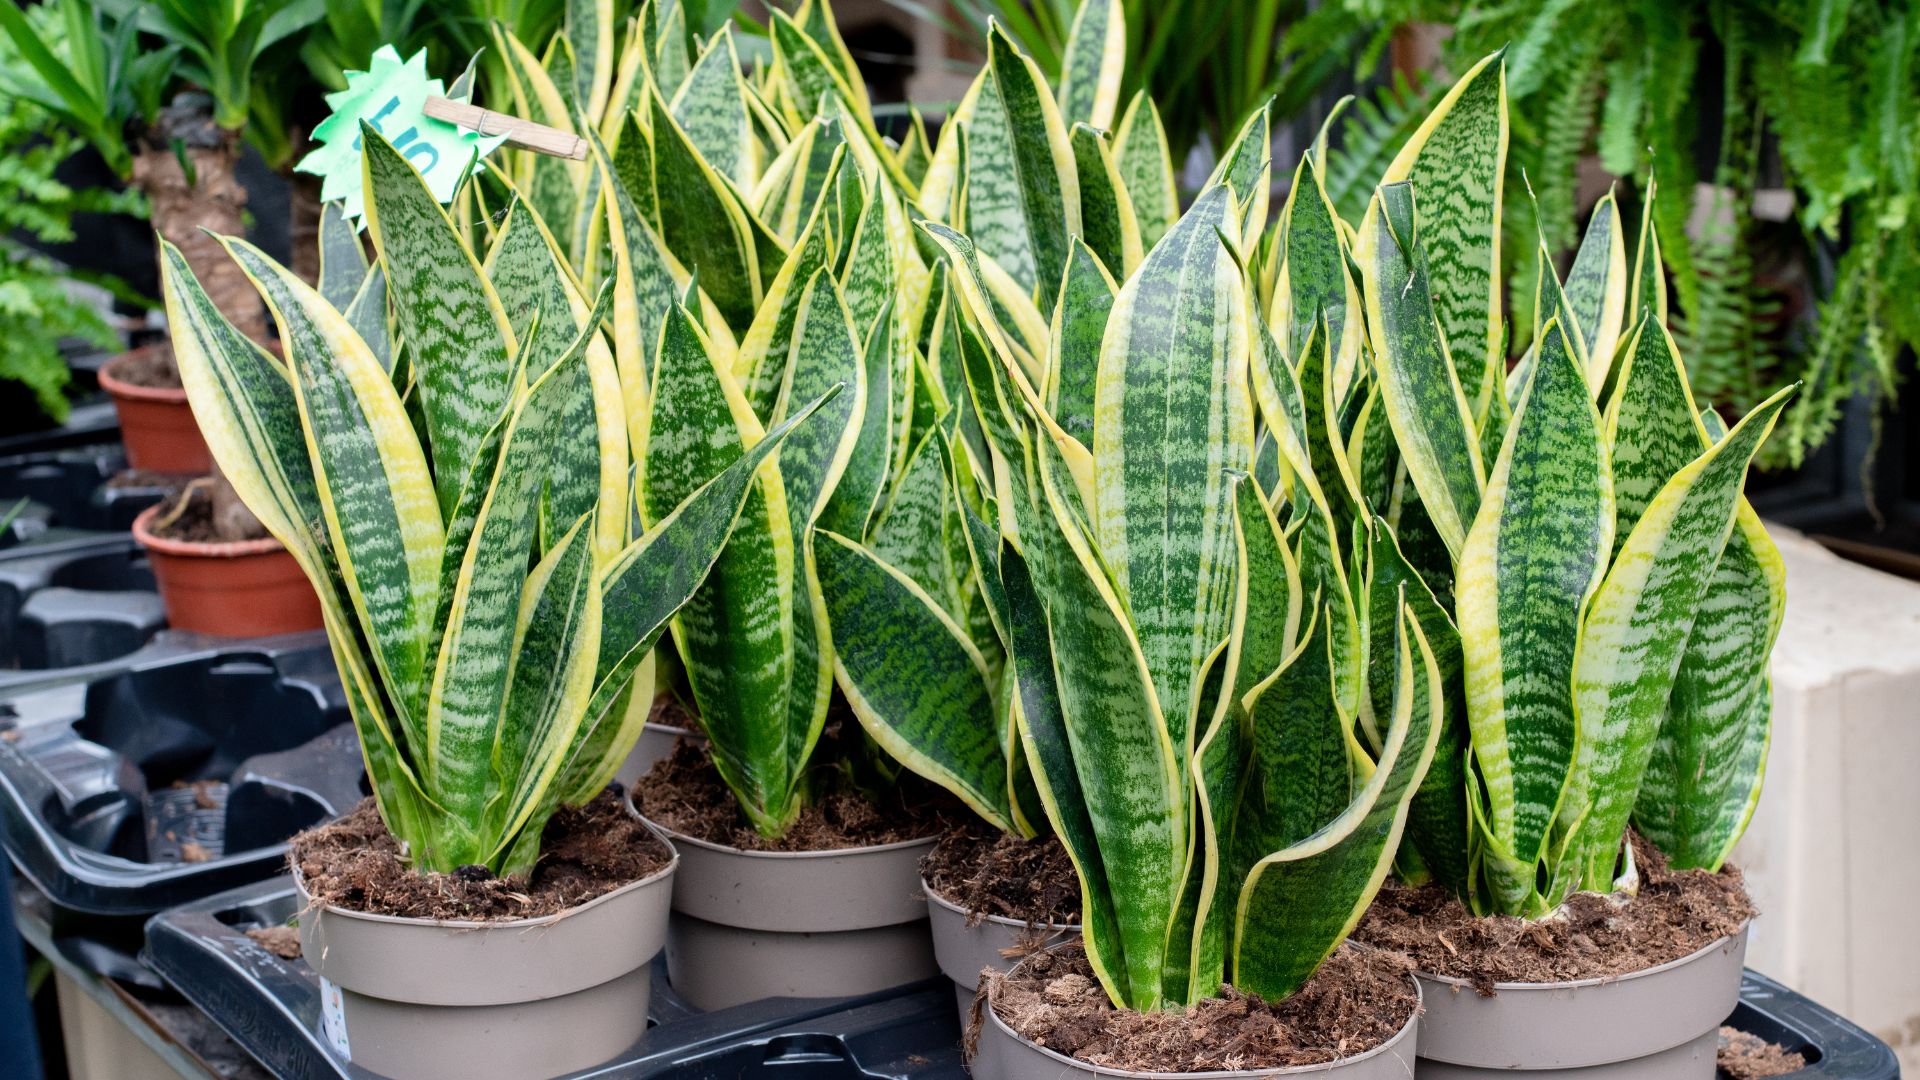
x,y
175,776
89,423
1835,1047
271,1007
74,586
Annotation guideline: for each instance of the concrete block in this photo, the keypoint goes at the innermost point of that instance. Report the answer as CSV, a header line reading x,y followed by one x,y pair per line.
x,y
1830,856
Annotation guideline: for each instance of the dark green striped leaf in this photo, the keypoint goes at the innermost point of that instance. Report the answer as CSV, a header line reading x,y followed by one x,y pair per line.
x,y
1106,213
1079,324
1146,168
1095,59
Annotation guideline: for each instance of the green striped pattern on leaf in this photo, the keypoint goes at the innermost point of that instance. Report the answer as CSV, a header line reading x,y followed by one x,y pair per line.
x,y
856,498
913,677
1455,161
1425,405
1079,324
1313,280
765,348
1094,63
1106,213
1146,169
1649,276
701,219
1596,289
644,290
1704,773
456,333
383,526
1651,424
1534,557
1172,411
591,30
711,107
1636,633
1037,163
1298,904
1247,167
343,262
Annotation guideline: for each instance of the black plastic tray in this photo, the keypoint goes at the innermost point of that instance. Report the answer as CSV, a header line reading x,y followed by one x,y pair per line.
x,y
1835,1047
174,776
74,586
271,1007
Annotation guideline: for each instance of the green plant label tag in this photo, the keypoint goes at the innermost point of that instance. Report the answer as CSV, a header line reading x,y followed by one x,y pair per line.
x,y
391,96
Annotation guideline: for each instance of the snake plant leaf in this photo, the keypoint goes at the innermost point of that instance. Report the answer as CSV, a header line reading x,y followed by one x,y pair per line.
x,y
916,509
590,30
1438,823
668,45
815,19
468,695
869,273
550,667
1649,280
857,497
1652,424
456,331
1265,630
1596,289
1531,563
1313,276
1123,747
245,405
1049,748
1283,408
552,184
1247,168
1455,162
589,467
645,288
1172,411
646,584
1420,387
375,491
1299,903
702,220
1146,169
1079,324
761,362
1094,64
367,314
1703,776
1636,632
1030,180
913,677
1302,771
734,635
343,262
1106,212
711,108
916,152
633,164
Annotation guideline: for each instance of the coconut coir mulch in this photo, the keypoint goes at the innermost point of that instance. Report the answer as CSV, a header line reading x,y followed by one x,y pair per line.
x,y
684,792
585,852
1356,1001
989,872
189,515
1676,914
1744,1056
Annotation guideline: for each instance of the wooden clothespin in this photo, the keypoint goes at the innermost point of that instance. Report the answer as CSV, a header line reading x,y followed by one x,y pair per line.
x,y
524,134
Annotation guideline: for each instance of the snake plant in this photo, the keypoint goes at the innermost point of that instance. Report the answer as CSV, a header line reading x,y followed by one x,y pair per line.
x,y
461,506
1604,598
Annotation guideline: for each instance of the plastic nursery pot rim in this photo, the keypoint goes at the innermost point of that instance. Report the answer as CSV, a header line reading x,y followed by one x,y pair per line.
x,y
1599,980
678,837
120,388
673,863
934,896
198,549
1406,1031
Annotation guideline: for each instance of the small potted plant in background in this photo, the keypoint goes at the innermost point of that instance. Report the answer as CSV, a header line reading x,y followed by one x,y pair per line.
x,y
487,602
1611,603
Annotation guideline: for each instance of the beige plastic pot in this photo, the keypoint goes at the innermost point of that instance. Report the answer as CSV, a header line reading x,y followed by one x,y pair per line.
x,y
427,1000
756,924
1659,1024
1004,1054
654,745
963,951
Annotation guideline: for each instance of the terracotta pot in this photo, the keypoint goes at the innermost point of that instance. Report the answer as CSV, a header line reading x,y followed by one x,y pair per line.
x,y
242,588
156,424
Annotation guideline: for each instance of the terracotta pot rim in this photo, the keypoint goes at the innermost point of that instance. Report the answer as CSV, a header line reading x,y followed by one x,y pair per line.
x,y
198,549
120,388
